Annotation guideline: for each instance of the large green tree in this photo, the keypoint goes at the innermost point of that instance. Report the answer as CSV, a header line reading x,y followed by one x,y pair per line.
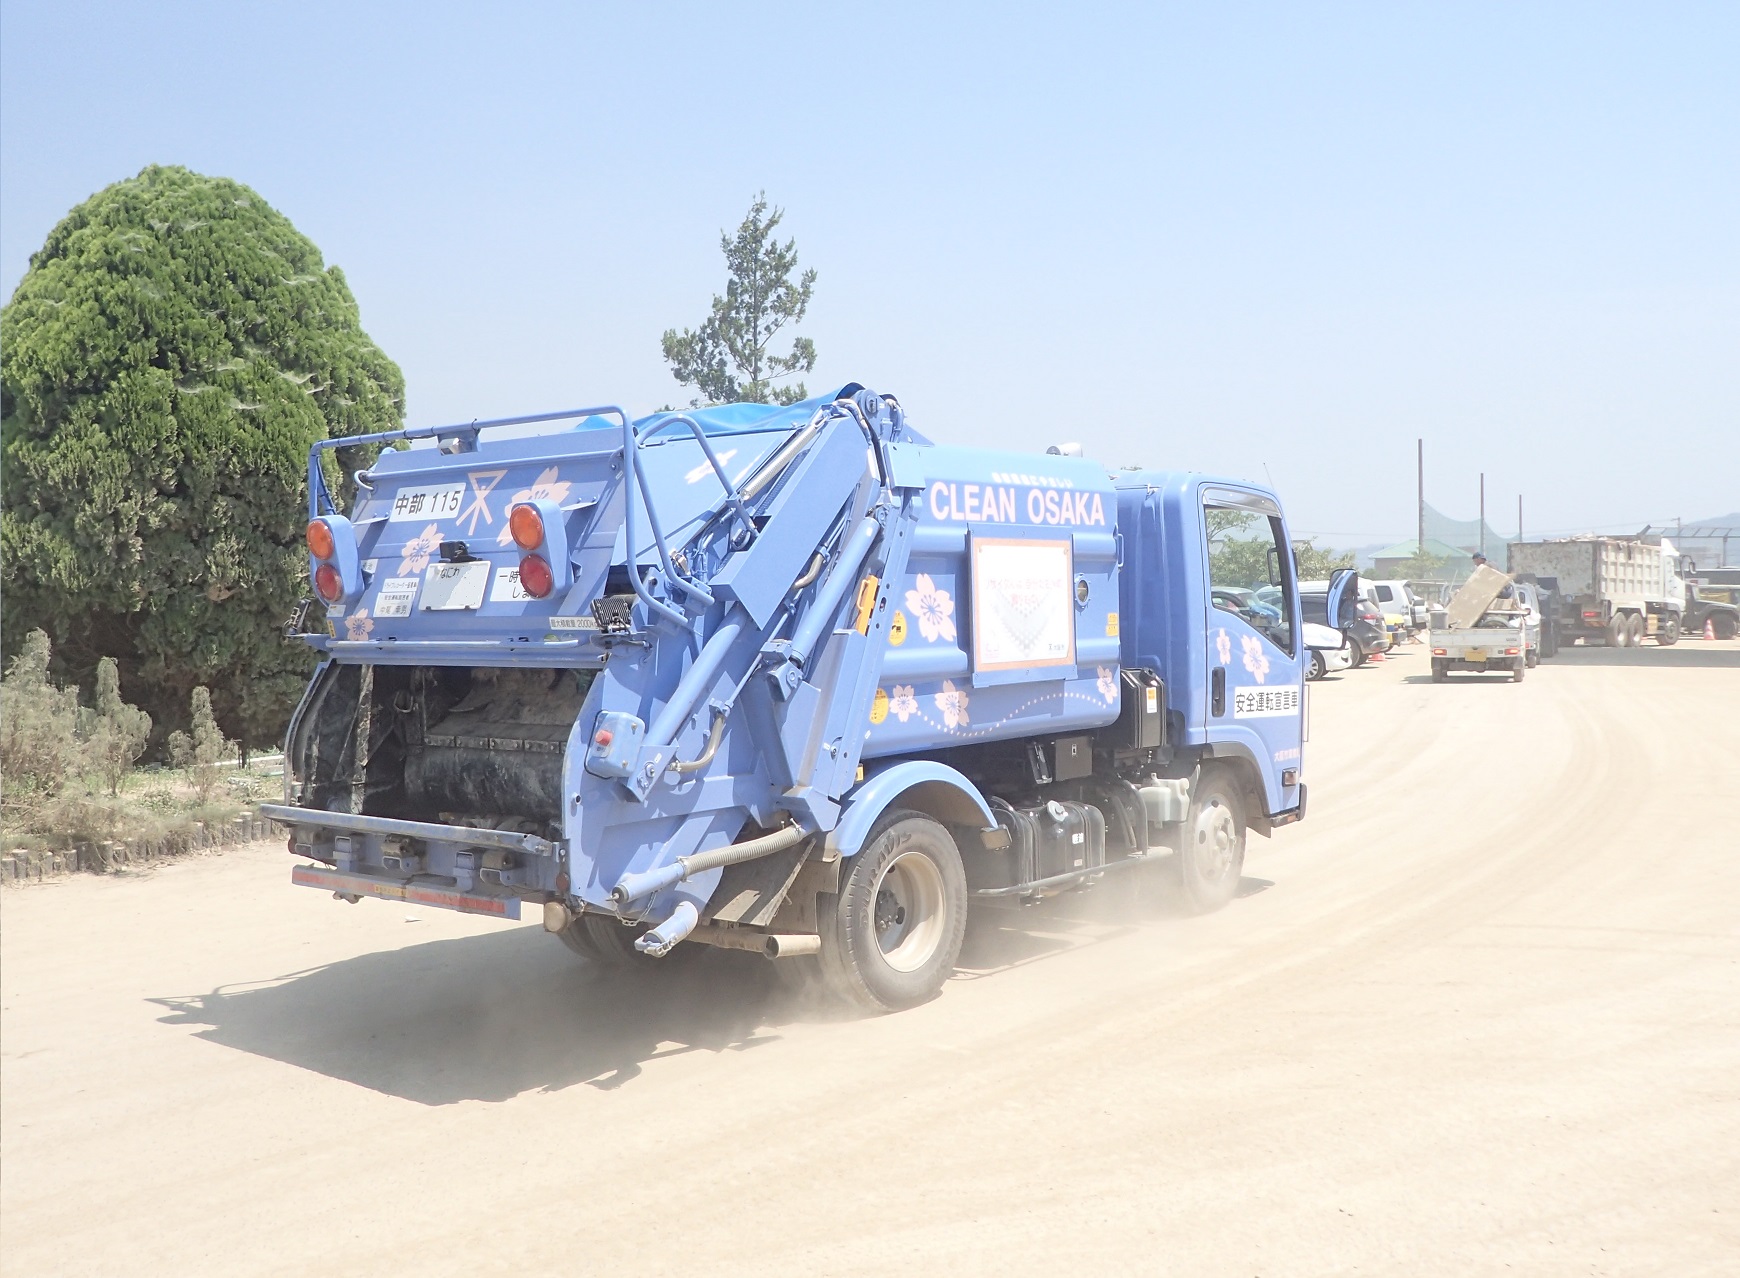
x,y
728,358
173,351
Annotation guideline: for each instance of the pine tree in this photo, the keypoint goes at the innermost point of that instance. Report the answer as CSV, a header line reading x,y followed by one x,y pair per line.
x,y
727,359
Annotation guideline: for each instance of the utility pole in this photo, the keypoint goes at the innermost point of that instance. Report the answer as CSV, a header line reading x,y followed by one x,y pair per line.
x,y
1420,472
1483,512
1519,535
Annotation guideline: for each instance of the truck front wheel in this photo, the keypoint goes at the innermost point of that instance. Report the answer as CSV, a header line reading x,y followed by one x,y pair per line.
x,y
1668,632
1724,626
1212,856
891,936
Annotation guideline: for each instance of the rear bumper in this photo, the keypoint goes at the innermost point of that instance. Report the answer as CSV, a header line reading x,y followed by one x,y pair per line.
x,y
433,894
436,864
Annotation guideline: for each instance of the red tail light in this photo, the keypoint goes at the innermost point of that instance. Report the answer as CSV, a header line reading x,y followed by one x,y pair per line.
x,y
320,543
327,583
536,579
527,526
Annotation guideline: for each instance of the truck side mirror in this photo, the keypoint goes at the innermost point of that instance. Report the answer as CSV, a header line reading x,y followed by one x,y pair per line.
x,y
1274,557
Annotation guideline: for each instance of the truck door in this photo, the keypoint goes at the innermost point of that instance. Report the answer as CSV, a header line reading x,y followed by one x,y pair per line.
x,y
1255,679
1339,605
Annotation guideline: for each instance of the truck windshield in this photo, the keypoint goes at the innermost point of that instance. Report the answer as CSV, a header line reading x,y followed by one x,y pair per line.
x,y
1248,554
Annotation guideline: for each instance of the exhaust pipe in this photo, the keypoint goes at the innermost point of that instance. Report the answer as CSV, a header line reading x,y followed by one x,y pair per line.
x,y
792,945
773,945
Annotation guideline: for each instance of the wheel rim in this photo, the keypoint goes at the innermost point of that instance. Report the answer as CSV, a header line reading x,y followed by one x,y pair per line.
x,y
907,911
1217,837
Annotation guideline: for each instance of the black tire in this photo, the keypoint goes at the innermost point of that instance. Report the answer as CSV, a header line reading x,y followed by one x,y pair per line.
x,y
1725,627
1440,671
1519,670
604,941
1358,652
578,938
1618,632
1637,628
891,936
1316,670
1668,632
1534,657
1211,853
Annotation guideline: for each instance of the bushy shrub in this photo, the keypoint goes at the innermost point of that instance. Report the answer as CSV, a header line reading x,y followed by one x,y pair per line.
x,y
40,749
201,750
117,732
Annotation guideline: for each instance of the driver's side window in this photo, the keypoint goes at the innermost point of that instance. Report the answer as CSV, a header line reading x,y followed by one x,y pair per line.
x,y
1249,566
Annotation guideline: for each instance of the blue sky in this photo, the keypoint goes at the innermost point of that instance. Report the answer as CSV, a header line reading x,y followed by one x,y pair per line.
x,y
1269,240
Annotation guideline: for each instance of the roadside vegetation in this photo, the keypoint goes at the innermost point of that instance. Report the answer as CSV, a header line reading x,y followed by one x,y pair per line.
x,y
70,772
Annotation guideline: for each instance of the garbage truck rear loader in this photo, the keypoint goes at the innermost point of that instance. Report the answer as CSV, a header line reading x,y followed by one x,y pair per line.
x,y
789,679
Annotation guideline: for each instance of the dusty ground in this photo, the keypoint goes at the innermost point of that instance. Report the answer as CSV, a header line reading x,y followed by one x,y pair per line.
x,y
1480,1013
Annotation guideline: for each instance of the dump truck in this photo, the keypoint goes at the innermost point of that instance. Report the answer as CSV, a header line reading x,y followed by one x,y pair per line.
x,y
794,680
1611,590
1485,628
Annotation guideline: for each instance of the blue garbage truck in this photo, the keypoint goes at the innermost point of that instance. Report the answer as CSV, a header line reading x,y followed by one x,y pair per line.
x,y
792,679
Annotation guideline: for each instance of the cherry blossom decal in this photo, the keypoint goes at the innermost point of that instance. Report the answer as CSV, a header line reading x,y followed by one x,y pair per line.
x,y
1107,683
951,703
545,488
419,548
934,610
1223,646
359,625
903,704
1256,660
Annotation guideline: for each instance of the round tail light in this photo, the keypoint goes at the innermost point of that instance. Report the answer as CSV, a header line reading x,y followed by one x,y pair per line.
x,y
527,526
320,543
327,583
536,579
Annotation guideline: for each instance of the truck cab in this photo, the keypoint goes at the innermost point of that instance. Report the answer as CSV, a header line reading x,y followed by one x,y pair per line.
x,y
793,679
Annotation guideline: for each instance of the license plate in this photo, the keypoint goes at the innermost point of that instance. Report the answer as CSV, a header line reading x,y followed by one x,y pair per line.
x,y
452,586
1475,654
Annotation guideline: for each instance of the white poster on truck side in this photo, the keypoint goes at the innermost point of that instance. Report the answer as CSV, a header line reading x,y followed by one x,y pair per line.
x,y
1023,603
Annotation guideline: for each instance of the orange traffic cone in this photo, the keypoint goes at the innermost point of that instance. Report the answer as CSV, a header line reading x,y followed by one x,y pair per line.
x,y
1378,655
1709,628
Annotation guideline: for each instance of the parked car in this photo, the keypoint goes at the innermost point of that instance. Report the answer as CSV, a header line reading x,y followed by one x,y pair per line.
x,y
1328,648
1356,617
1528,597
1399,597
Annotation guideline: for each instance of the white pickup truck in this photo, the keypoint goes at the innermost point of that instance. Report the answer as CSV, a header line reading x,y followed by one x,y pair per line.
x,y
1484,629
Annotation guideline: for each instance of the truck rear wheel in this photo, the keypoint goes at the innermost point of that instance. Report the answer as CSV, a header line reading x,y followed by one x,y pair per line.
x,y
1636,628
602,940
891,936
1618,632
1440,670
1211,857
1519,670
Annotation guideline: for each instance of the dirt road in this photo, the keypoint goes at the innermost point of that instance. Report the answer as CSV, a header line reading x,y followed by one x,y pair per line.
x,y
1480,1013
